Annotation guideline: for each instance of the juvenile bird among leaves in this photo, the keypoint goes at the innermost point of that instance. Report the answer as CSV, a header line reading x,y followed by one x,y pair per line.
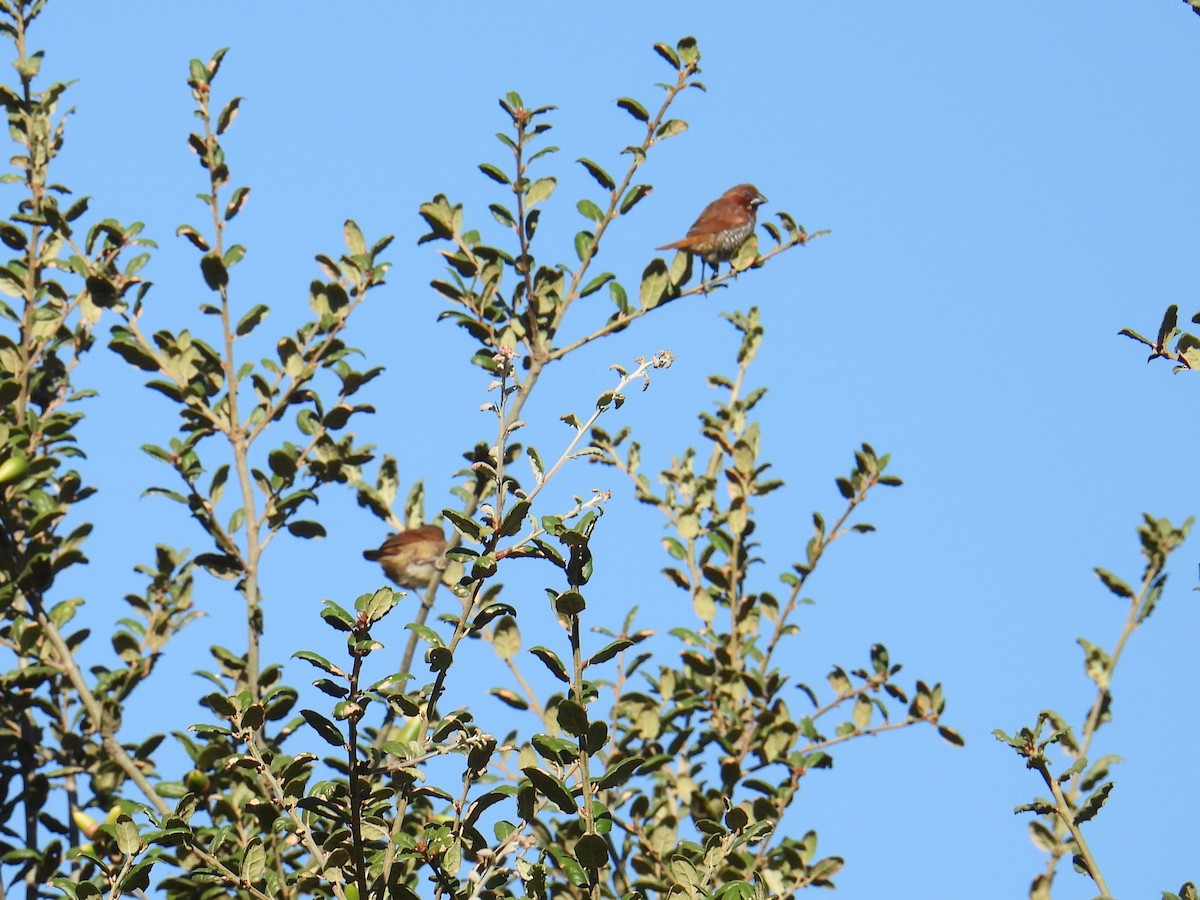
x,y
723,226
414,558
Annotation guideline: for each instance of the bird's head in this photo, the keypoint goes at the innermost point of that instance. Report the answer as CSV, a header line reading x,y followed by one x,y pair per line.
x,y
746,195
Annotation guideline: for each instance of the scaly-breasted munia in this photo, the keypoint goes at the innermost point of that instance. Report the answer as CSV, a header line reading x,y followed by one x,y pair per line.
x,y
722,227
414,558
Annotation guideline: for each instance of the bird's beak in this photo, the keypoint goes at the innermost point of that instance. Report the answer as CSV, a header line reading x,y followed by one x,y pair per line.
x,y
759,200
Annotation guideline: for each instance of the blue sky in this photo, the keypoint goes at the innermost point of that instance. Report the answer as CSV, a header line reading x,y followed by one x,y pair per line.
x,y
1007,186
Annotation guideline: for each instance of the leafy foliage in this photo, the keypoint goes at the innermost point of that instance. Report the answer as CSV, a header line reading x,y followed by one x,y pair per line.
x,y
630,775
1079,792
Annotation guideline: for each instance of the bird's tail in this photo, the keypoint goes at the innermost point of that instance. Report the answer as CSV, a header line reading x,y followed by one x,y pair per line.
x,y
686,243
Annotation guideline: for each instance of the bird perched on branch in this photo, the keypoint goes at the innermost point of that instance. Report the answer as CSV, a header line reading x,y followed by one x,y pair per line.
x,y
722,227
414,558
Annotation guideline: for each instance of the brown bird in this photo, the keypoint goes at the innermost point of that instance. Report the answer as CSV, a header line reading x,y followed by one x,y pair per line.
x,y
723,227
414,558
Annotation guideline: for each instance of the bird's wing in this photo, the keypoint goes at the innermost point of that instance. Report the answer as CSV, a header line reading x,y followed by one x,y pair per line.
x,y
719,215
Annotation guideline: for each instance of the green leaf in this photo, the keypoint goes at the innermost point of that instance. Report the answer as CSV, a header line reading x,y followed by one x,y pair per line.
x,y
606,653
128,841
506,638
483,566
137,881
951,736
325,728
1092,803
824,869
551,661
236,202
510,698
320,662
439,658
502,215
655,280
75,210
494,172
492,611
514,519
215,274
559,750
1168,329
1114,584
571,603
689,50
862,712
425,633
596,283
590,211
127,347
634,196
670,128
619,298
1130,333
220,565
254,862
252,718
551,788
214,64
354,238
603,178
880,660
465,526
136,264
667,53
382,602
194,236
572,718
250,320
619,773
840,682
634,108
1077,766
540,190
591,851
225,119
13,237
583,244
336,617
306,529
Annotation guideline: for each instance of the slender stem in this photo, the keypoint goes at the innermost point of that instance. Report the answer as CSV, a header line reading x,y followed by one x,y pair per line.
x,y
238,437
115,892
829,537
620,323
597,499
1066,816
302,831
30,352
355,778
389,853
68,666
29,773
36,191
530,694
1092,722
659,360
572,292
535,337
865,732
586,788
460,632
